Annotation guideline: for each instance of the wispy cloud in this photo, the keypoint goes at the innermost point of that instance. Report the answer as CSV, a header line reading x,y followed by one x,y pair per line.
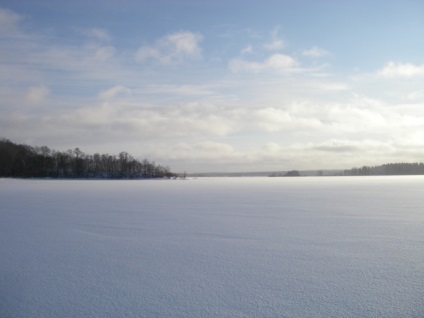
x,y
347,146
114,91
97,33
247,50
393,69
172,49
276,62
104,53
275,43
180,90
9,22
315,52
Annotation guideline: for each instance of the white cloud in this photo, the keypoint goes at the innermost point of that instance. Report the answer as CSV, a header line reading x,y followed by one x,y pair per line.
x,y
172,49
37,94
315,52
393,69
114,91
276,62
139,120
280,62
184,43
296,135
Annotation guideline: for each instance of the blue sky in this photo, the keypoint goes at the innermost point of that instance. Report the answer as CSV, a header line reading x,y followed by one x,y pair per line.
x,y
217,85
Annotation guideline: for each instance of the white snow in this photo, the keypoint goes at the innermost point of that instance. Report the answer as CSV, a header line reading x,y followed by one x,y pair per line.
x,y
213,247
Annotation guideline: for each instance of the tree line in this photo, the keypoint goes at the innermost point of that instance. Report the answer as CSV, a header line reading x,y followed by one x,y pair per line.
x,y
387,169
291,173
23,161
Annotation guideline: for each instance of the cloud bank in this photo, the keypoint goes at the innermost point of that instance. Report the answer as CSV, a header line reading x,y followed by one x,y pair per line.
x,y
199,101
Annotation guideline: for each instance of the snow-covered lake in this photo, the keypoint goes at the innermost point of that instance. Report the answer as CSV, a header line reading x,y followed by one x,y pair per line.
x,y
213,247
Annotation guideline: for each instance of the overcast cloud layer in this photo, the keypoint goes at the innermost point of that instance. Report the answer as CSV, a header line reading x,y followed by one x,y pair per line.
x,y
206,86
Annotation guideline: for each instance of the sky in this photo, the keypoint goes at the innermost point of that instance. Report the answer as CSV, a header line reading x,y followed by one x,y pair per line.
x,y
217,86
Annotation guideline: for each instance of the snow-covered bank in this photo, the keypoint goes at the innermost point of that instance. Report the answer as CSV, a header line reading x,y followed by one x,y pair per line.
x,y
216,247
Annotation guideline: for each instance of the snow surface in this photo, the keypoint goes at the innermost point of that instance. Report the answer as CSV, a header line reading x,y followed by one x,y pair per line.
x,y
213,247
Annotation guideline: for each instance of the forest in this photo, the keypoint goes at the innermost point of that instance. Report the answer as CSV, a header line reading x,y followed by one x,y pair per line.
x,y
23,161
387,169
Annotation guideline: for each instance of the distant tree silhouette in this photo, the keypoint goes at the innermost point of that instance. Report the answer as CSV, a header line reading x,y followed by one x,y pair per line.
x,y
292,173
23,161
387,169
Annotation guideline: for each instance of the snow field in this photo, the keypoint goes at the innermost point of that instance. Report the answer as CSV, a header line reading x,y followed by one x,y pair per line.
x,y
212,247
